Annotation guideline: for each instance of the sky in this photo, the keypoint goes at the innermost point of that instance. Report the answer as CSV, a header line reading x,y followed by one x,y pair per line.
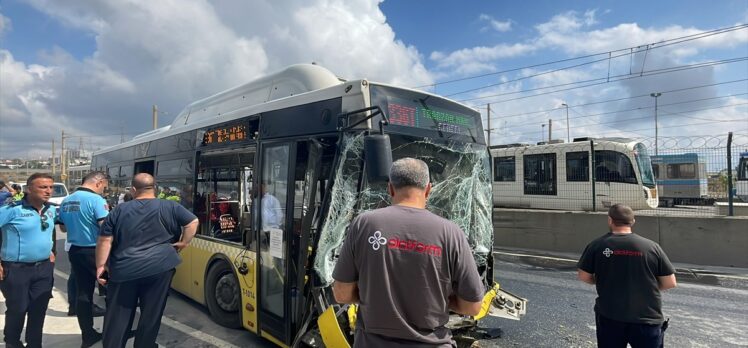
x,y
95,68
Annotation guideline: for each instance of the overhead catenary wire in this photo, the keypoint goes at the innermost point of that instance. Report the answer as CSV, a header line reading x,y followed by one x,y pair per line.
x,y
648,117
655,45
615,100
599,81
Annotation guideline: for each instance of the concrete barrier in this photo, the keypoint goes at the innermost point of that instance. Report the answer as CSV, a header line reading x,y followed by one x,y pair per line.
x,y
716,241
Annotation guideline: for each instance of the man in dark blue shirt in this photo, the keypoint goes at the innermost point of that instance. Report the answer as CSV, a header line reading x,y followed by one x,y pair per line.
x,y
6,193
139,241
27,259
82,213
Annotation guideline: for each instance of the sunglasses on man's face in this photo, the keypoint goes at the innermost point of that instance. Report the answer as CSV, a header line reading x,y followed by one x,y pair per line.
x,y
45,224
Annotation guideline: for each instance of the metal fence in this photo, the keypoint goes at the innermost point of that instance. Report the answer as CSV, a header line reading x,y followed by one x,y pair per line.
x,y
675,176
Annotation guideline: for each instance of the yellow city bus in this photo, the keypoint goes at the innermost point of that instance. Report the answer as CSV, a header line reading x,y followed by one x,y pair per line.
x,y
319,145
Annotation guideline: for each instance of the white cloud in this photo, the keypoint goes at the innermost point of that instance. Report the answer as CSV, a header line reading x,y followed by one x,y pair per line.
x,y
500,26
150,53
5,24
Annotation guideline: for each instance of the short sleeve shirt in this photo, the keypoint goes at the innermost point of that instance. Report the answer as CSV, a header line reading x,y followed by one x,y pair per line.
x,y
626,267
23,237
80,213
143,231
407,262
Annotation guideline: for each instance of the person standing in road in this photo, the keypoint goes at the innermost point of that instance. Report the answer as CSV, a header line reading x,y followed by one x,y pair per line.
x,y
27,261
6,193
82,214
137,243
388,253
629,272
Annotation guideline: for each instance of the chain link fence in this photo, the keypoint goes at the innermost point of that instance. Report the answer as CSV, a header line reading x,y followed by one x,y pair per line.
x,y
686,176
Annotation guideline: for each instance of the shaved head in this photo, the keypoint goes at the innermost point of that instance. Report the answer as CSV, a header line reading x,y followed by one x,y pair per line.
x,y
143,181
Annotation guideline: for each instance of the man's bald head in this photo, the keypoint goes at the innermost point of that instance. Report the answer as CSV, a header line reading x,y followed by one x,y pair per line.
x,y
143,181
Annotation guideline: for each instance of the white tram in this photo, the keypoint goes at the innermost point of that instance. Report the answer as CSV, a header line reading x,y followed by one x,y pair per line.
x,y
561,176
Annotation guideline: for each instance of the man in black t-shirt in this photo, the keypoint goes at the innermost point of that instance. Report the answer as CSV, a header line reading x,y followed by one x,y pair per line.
x,y
629,271
137,243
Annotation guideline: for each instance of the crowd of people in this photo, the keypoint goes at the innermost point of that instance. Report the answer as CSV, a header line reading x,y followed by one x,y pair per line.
x,y
122,249
133,251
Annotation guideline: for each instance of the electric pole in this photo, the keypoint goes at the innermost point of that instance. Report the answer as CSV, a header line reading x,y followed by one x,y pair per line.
x,y
155,116
63,158
488,123
53,158
550,130
656,95
568,138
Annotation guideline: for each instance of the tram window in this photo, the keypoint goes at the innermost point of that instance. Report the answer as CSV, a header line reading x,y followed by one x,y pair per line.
x,y
144,167
578,166
540,174
656,170
125,171
612,166
681,171
503,169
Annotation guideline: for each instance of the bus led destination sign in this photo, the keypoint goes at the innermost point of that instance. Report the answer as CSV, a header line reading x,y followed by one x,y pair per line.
x,y
225,134
416,116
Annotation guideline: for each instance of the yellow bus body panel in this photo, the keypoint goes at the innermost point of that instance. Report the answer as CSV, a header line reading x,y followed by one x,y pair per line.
x,y
191,274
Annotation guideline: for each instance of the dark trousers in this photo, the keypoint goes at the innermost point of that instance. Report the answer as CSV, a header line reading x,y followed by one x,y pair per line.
x,y
121,301
614,334
83,262
71,286
27,289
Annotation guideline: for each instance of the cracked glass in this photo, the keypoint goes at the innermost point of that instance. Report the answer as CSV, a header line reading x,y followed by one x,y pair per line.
x,y
461,192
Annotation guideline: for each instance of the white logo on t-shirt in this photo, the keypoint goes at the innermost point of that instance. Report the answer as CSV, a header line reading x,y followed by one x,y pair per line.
x,y
377,240
607,252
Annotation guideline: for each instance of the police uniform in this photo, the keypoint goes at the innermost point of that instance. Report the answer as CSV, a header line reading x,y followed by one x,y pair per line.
x,y
81,213
27,241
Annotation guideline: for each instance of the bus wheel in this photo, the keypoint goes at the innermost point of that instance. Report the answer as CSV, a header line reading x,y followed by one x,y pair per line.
x,y
222,296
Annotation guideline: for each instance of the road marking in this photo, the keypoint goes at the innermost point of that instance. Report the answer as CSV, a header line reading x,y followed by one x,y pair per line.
x,y
179,326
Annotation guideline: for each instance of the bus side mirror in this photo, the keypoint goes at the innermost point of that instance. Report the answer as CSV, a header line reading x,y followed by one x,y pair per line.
x,y
378,154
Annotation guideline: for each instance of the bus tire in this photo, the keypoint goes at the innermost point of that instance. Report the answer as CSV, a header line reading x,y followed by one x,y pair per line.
x,y
222,295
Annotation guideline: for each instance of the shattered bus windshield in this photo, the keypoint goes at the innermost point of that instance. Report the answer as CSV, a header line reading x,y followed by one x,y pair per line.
x,y
461,193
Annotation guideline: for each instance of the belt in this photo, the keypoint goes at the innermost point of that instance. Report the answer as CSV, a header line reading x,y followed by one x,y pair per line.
x,y
36,263
82,247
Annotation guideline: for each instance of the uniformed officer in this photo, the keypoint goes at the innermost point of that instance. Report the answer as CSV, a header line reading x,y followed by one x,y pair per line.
x,y
82,213
26,274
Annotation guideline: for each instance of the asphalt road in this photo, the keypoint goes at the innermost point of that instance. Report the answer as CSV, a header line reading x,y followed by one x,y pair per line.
x,y
560,311
559,315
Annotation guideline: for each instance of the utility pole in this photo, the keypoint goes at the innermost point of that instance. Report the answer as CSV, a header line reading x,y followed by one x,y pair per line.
x,y
550,130
656,95
63,172
155,116
53,158
568,138
488,123
542,132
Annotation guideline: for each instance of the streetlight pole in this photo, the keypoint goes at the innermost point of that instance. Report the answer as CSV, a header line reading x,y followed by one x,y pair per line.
x,y
568,138
656,95
542,132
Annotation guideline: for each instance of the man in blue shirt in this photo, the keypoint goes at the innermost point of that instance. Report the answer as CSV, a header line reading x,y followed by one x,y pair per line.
x,y
82,213
26,274
139,241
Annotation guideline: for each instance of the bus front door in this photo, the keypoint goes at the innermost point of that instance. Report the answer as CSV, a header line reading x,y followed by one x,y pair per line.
x,y
273,234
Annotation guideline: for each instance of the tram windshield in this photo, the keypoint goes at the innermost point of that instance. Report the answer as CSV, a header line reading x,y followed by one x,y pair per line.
x,y
461,192
644,162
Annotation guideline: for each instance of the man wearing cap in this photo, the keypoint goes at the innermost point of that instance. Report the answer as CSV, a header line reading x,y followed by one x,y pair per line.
x,y
629,272
27,265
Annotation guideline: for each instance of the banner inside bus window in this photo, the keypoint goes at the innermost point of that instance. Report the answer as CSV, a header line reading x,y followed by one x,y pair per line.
x,y
408,114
